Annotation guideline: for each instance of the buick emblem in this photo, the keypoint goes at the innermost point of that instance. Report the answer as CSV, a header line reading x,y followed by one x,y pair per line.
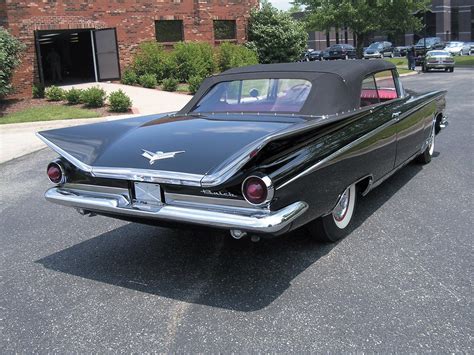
x,y
153,157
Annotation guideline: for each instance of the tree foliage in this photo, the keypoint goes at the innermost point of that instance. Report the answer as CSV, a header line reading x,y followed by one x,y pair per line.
x,y
364,16
10,50
275,35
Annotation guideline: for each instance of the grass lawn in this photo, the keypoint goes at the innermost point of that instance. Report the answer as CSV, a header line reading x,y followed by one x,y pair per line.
x,y
48,113
465,60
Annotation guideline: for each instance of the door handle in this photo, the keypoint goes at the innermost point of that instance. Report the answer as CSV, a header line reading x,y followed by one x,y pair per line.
x,y
396,114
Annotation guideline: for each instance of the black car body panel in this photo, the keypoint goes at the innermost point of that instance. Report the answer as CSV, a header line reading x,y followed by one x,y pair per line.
x,y
120,143
307,158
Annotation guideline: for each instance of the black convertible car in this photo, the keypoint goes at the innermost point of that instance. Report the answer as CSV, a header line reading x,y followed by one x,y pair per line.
x,y
262,150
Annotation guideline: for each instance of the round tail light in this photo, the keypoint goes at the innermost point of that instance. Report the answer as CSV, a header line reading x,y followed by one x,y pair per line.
x,y
55,173
257,190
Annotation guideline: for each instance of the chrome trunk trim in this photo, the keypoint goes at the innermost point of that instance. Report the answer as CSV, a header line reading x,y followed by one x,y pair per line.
x,y
146,175
270,222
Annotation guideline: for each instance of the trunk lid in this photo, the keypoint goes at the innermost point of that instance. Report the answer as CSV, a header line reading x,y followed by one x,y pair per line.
x,y
200,142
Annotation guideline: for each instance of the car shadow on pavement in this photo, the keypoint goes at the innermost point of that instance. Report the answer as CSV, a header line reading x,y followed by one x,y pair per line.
x,y
208,268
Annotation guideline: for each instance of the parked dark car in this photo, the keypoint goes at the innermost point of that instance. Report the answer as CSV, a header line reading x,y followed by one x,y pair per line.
x,y
263,150
325,54
438,59
312,55
341,51
379,50
401,51
426,44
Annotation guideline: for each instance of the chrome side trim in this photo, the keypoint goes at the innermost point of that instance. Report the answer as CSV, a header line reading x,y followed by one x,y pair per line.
x,y
338,152
354,143
272,222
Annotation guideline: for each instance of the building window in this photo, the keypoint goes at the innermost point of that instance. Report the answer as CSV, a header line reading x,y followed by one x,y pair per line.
x,y
224,29
328,40
169,30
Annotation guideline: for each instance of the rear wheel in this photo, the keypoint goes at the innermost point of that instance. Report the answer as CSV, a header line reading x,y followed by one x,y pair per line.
x,y
336,225
451,70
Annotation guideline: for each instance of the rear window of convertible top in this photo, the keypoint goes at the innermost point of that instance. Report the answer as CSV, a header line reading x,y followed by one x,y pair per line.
x,y
256,95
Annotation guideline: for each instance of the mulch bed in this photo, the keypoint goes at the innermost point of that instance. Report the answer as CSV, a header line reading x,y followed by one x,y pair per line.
x,y
15,105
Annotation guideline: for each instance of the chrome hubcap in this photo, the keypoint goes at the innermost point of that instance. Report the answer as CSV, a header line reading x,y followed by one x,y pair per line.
x,y
342,206
431,143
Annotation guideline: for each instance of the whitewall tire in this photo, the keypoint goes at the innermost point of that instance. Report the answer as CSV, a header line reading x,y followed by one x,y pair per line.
x,y
337,224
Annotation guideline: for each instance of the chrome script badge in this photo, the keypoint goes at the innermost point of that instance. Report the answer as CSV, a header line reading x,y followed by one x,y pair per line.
x,y
153,157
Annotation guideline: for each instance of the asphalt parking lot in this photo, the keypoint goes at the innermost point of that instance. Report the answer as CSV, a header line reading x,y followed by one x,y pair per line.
x,y
402,281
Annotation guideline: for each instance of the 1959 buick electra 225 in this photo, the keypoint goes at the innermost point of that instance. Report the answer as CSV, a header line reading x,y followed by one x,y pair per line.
x,y
259,150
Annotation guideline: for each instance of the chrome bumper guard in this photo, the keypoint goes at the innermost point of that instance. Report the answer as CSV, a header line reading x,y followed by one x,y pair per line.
x,y
444,122
262,222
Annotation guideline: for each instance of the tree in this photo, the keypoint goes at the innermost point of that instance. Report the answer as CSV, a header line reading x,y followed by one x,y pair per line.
x,y
10,50
275,35
364,16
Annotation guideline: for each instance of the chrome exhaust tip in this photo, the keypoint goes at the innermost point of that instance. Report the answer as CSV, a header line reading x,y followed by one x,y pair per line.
x,y
237,233
84,212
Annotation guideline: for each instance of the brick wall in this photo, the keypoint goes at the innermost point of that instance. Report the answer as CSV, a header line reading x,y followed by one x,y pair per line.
x,y
133,19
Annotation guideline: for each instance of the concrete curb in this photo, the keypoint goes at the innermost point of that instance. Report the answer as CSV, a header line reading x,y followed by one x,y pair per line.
x,y
18,139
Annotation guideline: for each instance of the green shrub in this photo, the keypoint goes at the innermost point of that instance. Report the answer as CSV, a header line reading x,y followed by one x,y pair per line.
x,y
170,84
53,93
10,50
193,59
148,81
232,55
119,101
38,91
277,36
151,58
73,96
194,83
93,97
129,77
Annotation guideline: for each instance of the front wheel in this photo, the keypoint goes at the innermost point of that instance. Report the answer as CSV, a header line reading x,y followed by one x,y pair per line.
x,y
425,157
336,225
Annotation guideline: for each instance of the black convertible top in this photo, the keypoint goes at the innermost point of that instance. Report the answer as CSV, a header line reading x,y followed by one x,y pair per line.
x,y
348,70
336,84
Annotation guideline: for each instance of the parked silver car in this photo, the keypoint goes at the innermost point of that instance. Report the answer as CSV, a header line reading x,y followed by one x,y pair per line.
x,y
438,59
468,48
455,47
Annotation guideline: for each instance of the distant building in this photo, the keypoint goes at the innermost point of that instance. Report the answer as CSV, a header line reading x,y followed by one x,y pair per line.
x,y
95,40
449,19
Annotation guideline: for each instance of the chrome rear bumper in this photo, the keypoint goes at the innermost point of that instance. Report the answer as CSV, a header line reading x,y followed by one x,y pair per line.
x,y
259,222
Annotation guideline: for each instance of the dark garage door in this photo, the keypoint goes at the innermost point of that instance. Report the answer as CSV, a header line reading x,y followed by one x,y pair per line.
x,y
107,59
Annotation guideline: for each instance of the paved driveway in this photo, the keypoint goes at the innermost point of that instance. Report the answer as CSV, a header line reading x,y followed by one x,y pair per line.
x,y
145,101
402,281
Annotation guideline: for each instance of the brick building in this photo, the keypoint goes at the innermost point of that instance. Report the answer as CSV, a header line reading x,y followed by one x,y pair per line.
x,y
94,39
